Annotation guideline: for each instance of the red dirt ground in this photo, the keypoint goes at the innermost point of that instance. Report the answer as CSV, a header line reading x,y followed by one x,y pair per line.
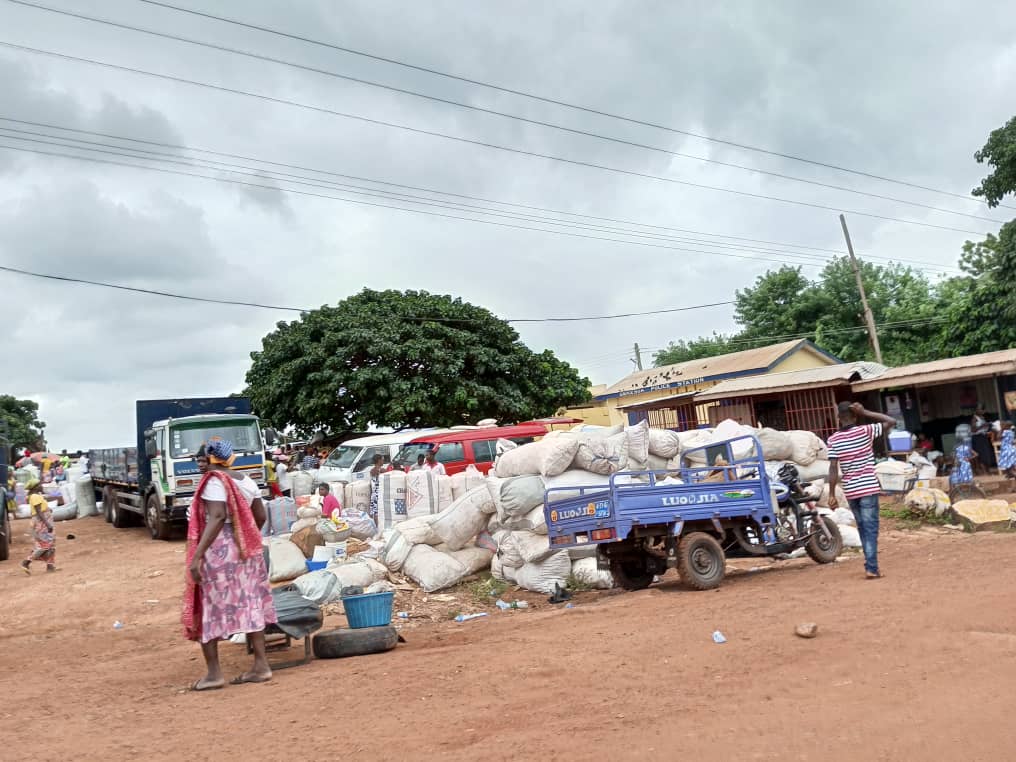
x,y
919,665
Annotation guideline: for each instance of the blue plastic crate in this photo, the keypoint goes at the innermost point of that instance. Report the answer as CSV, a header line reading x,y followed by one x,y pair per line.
x,y
316,565
373,610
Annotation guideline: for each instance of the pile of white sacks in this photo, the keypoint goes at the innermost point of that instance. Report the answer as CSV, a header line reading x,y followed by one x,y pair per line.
x,y
438,530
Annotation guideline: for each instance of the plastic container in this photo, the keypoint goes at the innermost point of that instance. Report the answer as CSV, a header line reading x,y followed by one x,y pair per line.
x,y
316,565
371,610
323,553
899,441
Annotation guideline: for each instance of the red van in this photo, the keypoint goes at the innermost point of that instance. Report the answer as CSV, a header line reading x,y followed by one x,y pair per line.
x,y
463,447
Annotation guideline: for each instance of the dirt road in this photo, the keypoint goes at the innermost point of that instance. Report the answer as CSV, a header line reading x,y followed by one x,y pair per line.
x,y
919,665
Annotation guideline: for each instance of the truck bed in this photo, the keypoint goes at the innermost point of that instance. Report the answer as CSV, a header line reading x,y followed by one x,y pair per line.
x,y
114,465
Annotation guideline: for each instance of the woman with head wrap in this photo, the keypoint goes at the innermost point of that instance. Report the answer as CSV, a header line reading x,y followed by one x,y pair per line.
x,y
42,530
227,583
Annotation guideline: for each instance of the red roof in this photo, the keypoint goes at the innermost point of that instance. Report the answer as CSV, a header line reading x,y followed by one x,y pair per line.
x,y
489,432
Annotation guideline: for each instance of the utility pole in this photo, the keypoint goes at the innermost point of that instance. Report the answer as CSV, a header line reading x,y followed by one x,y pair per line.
x,y
869,319
638,356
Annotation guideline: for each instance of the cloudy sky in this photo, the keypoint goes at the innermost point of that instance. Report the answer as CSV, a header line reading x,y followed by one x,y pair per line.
x,y
906,90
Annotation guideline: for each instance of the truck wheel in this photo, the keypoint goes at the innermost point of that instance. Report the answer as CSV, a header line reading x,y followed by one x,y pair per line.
x,y
107,504
631,574
120,518
157,525
700,561
335,644
5,535
822,549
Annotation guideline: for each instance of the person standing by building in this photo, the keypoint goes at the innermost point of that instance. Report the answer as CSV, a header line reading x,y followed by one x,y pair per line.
x,y
282,474
310,461
851,454
271,477
433,465
1007,452
421,463
981,441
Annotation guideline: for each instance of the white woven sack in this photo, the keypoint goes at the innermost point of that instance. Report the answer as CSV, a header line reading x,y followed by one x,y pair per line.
x,y
602,456
422,493
391,500
445,492
515,496
466,480
303,483
548,457
84,493
638,447
534,521
585,571
474,559
357,495
352,573
497,568
573,478
532,547
433,570
776,445
464,519
285,561
664,443
508,550
807,447
319,586
543,576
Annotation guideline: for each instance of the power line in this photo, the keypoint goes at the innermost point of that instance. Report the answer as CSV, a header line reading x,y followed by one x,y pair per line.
x,y
210,300
470,141
473,107
178,147
278,188
553,101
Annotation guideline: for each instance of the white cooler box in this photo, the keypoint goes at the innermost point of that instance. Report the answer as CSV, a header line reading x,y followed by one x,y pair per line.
x,y
893,476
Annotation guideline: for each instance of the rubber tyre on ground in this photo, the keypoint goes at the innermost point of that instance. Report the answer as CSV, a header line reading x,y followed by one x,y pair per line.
x,y
631,574
822,549
5,535
107,503
337,644
158,527
700,561
966,491
119,518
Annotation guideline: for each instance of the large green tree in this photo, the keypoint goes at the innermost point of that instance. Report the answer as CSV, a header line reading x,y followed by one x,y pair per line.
x,y
404,359
24,429
1000,154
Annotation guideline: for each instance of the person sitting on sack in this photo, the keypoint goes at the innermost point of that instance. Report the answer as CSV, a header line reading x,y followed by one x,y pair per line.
x,y
851,454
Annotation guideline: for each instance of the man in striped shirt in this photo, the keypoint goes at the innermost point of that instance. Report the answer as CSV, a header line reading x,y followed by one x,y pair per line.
x,y
851,454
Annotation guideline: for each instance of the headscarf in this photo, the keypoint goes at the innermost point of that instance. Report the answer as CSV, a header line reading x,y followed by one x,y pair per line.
x,y
220,452
245,535
32,484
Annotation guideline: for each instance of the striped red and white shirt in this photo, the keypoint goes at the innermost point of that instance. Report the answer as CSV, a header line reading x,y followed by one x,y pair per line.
x,y
852,449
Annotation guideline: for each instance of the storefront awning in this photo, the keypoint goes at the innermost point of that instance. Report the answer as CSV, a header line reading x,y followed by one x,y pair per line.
x,y
966,368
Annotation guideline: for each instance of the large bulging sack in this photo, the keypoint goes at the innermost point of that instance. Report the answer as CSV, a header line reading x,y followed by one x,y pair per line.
x,y
474,559
532,547
602,456
548,457
320,586
508,549
417,531
534,521
850,536
977,515
545,575
391,500
282,514
575,479
466,480
928,501
841,498
303,484
807,447
423,493
84,494
445,492
818,469
357,495
433,570
516,496
585,571
638,446
352,574
776,445
285,561
464,519
664,443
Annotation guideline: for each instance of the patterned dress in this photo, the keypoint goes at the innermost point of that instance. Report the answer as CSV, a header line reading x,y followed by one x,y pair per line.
x,y
42,532
1007,452
962,473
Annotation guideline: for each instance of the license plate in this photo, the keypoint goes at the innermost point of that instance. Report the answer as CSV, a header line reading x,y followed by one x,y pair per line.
x,y
599,510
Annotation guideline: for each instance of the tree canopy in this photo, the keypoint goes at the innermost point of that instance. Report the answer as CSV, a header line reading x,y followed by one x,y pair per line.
x,y
404,359
1000,153
24,429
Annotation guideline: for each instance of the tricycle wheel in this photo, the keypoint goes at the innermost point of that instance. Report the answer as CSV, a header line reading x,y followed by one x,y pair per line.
x,y
700,561
822,549
631,575
966,491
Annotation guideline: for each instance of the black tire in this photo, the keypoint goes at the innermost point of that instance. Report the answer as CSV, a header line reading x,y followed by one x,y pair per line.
x,y
118,517
822,549
966,491
5,535
158,527
631,574
700,561
337,644
107,504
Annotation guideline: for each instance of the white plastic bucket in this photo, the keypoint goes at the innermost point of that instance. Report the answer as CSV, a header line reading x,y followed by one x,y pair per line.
x,y
338,550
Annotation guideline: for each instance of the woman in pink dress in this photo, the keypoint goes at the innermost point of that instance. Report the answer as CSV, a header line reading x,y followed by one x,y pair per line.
x,y
227,583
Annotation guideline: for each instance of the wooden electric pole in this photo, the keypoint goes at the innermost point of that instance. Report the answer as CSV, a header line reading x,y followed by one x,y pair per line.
x,y
869,319
638,356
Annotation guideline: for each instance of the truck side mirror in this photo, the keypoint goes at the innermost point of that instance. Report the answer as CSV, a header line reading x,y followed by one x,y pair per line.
x,y
150,449
271,439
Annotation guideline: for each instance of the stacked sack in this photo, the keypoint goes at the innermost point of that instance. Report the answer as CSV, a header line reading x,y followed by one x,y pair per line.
x,y
437,550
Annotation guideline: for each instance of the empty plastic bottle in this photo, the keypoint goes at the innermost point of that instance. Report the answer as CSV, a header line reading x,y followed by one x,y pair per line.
x,y
467,617
718,637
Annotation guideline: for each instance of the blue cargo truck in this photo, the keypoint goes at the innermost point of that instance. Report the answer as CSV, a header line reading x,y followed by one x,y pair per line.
x,y
153,481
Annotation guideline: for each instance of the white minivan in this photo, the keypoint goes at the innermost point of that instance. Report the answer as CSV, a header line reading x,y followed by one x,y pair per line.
x,y
356,456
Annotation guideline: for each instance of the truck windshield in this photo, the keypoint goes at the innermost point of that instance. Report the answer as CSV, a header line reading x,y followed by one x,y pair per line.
x,y
343,457
185,441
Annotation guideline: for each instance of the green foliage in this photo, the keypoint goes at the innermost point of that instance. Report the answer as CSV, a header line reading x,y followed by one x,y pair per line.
x,y
1000,153
407,360
704,346
24,429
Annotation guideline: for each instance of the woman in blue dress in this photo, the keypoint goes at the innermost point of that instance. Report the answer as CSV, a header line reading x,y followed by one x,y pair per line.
x,y
1007,451
963,472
